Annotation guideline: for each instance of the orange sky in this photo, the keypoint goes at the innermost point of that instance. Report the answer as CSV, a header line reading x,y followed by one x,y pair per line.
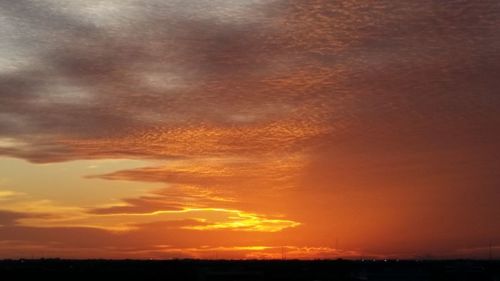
x,y
245,129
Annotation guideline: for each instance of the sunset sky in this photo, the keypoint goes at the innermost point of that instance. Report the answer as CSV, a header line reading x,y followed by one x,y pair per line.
x,y
249,128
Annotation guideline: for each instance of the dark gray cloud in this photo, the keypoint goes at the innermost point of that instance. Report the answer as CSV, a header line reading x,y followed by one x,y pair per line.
x,y
12,218
95,70
9,218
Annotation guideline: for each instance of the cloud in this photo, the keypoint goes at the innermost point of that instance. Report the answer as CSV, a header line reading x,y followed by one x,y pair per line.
x,y
206,219
106,95
180,208
237,78
8,195
219,173
9,218
166,239
173,198
270,76
12,218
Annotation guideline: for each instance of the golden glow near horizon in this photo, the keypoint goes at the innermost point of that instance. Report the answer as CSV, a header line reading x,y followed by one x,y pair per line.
x,y
205,218
249,129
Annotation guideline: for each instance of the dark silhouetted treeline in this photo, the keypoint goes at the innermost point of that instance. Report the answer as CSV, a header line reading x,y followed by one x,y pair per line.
x,y
58,269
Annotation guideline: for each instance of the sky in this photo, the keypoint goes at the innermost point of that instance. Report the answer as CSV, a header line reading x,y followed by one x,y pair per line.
x,y
246,129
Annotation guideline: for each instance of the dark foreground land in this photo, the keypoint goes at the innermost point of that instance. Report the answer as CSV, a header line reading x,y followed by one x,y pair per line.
x,y
55,269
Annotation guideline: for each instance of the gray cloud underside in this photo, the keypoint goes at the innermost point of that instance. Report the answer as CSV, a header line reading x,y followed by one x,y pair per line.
x,y
95,70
